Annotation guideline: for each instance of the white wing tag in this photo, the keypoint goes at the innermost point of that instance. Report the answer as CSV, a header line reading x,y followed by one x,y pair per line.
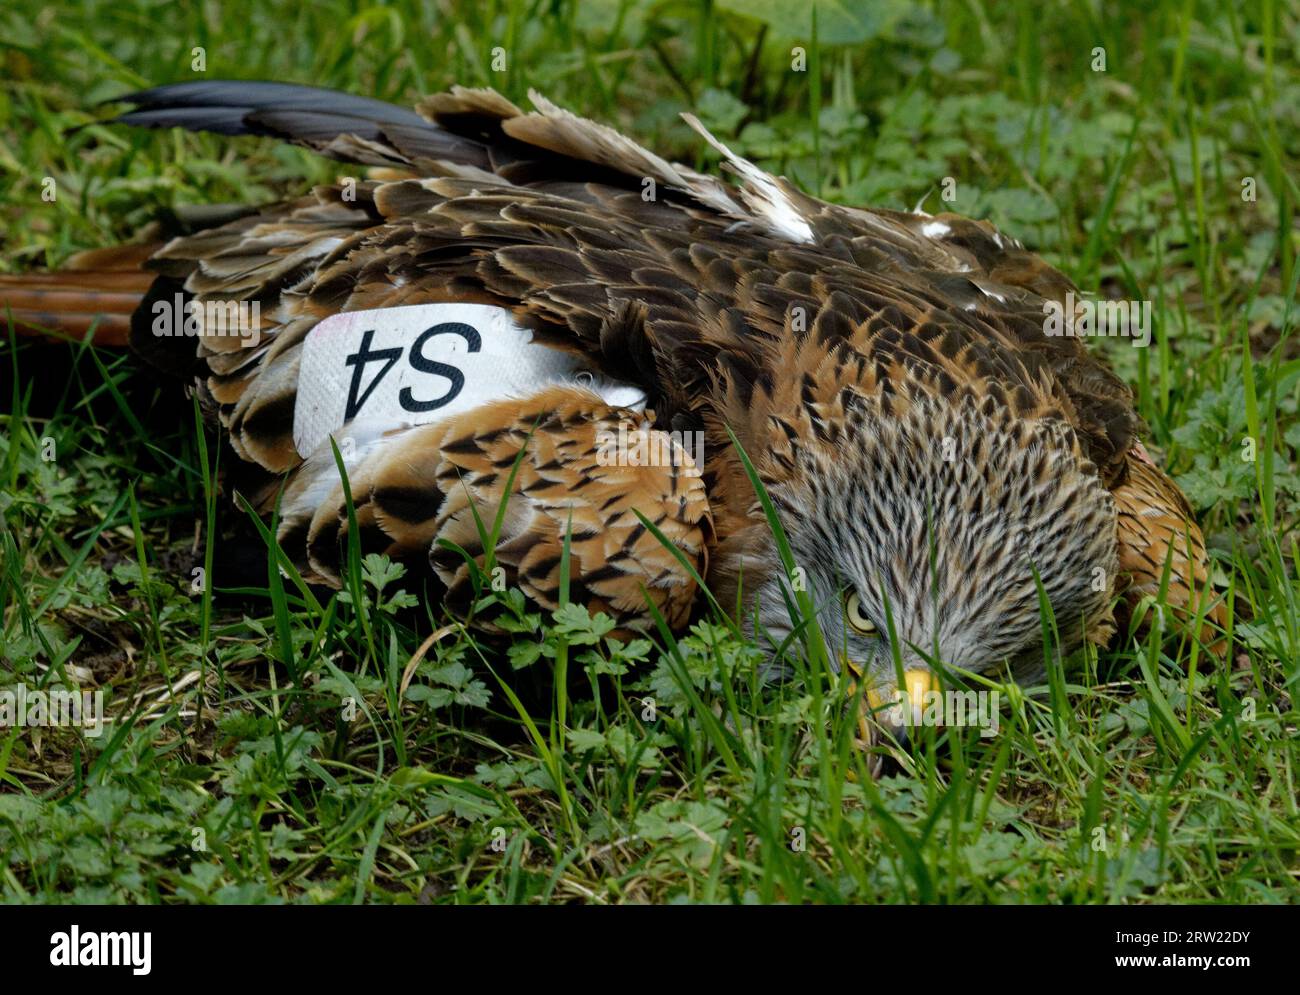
x,y
414,365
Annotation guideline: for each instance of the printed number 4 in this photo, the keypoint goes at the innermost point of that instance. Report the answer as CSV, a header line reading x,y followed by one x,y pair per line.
x,y
417,361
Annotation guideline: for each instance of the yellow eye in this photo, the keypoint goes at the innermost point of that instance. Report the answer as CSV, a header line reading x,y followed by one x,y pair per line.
x,y
853,615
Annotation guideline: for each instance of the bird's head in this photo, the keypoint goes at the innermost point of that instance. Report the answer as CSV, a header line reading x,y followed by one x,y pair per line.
x,y
939,518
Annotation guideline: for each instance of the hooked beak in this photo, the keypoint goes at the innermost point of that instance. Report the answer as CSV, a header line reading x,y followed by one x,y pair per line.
x,y
902,707
884,707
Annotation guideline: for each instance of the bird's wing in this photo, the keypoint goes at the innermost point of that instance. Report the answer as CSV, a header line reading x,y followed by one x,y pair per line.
x,y
750,305
427,491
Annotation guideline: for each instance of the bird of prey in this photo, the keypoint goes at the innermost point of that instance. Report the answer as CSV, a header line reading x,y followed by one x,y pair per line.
x,y
513,281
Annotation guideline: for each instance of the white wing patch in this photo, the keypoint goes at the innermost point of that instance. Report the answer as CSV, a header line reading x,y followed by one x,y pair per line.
x,y
601,144
760,191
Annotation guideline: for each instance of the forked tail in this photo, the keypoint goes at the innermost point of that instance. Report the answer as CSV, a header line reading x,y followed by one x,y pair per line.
x,y
97,289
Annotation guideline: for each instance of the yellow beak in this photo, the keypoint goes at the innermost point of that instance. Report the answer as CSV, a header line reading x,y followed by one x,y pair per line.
x,y
916,684
876,711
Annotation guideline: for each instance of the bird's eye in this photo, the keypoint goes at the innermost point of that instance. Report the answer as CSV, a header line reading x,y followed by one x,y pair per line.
x,y
853,615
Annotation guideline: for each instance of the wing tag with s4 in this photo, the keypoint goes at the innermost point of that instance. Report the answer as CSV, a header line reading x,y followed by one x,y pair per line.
x,y
414,365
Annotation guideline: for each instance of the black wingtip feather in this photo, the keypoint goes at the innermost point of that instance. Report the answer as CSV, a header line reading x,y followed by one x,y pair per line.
x,y
243,97
311,115
308,115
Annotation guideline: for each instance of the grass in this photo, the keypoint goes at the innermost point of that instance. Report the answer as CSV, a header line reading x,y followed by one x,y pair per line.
x,y
275,743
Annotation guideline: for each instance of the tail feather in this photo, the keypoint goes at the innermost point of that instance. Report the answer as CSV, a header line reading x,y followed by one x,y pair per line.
x,y
99,289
